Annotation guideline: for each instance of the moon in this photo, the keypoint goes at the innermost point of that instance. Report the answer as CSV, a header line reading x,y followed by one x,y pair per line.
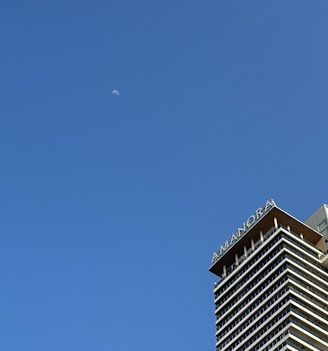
x,y
115,92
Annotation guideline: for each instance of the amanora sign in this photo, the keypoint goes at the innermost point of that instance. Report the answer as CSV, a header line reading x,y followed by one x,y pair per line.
x,y
241,231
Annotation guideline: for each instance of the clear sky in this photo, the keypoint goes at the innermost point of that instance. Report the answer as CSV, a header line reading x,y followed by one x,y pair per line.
x,y
112,205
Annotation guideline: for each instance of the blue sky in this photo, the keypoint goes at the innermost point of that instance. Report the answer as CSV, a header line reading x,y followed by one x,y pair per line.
x,y
111,206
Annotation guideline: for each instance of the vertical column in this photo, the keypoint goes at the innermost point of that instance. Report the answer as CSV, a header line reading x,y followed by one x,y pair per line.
x,y
261,235
275,221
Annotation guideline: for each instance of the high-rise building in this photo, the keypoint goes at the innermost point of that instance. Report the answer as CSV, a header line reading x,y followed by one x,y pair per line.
x,y
272,290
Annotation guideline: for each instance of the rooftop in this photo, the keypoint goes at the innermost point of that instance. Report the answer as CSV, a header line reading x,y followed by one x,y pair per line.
x,y
274,216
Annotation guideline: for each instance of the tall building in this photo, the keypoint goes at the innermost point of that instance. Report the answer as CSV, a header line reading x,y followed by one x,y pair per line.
x,y
272,291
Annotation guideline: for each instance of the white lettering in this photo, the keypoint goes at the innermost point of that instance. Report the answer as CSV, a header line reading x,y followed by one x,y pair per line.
x,y
241,231
251,220
215,257
270,203
224,247
259,213
234,237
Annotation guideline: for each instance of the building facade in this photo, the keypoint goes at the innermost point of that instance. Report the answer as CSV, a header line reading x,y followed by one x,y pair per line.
x,y
272,292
